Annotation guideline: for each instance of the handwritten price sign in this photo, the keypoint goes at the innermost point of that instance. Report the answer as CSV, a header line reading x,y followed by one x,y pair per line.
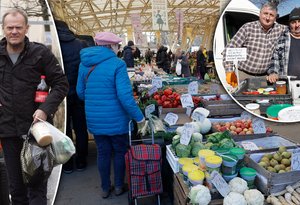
x,y
220,184
149,109
258,125
197,116
187,132
157,82
186,100
152,90
249,146
171,118
295,160
193,88
246,115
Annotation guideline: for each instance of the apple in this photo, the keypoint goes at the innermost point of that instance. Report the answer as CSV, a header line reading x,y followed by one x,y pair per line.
x,y
232,128
238,129
242,133
249,132
245,129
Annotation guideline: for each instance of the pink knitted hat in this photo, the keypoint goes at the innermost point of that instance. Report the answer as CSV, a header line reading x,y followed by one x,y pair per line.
x,y
107,38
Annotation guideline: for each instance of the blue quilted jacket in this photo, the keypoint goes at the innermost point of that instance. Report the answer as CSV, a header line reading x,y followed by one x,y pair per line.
x,y
108,96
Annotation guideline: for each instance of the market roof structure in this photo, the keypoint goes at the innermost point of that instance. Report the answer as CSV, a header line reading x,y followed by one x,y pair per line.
x,y
86,17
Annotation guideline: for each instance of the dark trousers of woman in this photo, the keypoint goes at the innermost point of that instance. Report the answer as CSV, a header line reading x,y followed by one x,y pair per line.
x,y
108,146
20,193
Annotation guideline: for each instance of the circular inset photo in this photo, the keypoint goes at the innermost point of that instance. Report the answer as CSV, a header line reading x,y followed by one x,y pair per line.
x,y
257,58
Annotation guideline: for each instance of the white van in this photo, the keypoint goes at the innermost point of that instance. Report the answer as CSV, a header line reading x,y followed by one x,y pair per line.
x,y
236,14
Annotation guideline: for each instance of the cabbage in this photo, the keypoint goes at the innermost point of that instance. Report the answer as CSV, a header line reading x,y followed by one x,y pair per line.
x,y
183,150
196,147
196,126
197,137
179,130
175,141
205,126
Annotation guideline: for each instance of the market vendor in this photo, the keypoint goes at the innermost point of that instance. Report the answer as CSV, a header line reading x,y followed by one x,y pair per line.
x,y
259,37
286,56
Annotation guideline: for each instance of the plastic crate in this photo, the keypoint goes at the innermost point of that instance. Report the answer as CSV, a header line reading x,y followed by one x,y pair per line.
x,y
172,159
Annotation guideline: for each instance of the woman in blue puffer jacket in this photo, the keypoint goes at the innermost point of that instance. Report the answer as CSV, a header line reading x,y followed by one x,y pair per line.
x,y
104,85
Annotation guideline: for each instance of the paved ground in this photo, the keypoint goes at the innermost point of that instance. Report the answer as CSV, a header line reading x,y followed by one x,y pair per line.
x,y
83,188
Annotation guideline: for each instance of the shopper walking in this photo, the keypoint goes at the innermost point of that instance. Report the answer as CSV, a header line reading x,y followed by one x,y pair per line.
x,y
104,85
70,48
22,64
128,56
201,61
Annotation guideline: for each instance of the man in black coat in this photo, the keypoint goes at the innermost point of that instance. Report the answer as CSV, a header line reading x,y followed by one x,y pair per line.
x,y
70,48
22,63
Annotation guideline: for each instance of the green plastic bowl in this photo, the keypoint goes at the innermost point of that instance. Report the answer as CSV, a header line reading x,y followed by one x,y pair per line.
x,y
272,111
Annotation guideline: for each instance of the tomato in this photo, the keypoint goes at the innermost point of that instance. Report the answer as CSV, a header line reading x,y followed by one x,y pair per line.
x,y
163,98
167,104
274,92
168,91
156,97
175,104
177,97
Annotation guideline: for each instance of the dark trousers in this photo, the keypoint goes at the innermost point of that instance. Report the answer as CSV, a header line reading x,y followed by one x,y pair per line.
x,y
4,194
20,193
108,146
76,121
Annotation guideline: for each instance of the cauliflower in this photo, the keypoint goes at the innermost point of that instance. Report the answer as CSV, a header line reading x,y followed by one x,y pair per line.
x,y
200,194
254,197
238,185
234,198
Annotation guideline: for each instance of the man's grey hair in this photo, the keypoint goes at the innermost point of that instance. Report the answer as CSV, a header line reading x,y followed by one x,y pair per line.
x,y
15,11
270,5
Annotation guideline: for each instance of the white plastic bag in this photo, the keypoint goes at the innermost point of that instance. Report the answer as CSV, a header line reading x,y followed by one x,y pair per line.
x,y
63,146
178,68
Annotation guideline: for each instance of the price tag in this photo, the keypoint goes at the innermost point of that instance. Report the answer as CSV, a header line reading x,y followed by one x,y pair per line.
x,y
187,132
295,163
157,82
236,54
149,109
246,115
186,100
171,118
197,116
152,90
258,125
249,146
220,183
193,88
188,111
214,88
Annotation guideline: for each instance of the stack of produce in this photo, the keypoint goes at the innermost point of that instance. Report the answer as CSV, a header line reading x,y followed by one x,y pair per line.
x,y
278,162
237,127
289,196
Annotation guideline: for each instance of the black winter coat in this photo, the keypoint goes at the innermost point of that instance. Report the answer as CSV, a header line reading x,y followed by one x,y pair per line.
x,y
18,83
128,57
70,48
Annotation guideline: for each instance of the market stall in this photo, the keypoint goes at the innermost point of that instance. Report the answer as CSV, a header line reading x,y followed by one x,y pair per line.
x,y
217,153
